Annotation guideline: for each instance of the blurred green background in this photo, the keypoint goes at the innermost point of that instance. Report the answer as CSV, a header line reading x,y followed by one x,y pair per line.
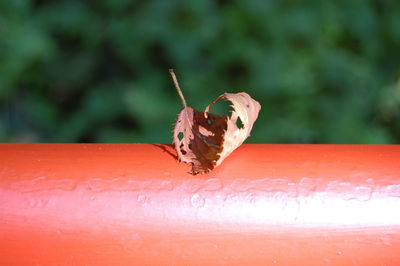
x,y
97,71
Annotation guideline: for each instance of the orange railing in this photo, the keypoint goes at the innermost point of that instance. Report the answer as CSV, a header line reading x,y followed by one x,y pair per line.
x,y
134,204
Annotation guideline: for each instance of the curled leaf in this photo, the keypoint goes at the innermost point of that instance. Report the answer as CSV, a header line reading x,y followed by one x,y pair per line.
x,y
205,139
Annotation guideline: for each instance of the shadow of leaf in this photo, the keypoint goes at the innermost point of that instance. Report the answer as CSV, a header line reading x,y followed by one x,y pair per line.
x,y
168,148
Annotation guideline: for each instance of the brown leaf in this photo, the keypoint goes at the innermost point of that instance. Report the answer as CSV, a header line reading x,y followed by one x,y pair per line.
x,y
204,139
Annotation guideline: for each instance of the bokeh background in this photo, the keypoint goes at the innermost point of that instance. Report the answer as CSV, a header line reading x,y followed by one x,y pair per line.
x,y
97,71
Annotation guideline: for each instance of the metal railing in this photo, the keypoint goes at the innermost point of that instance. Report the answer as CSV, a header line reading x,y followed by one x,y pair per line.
x,y
134,204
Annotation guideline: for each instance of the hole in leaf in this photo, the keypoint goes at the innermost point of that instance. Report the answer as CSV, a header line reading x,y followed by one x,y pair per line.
x,y
180,136
209,121
190,146
183,152
239,123
223,107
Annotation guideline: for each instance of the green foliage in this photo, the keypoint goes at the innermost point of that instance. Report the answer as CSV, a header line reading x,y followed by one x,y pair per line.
x,y
97,71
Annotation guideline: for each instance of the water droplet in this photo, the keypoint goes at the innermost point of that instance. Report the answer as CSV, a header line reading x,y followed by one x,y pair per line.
x,y
233,197
241,185
213,184
364,193
142,199
251,198
197,201
37,203
393,190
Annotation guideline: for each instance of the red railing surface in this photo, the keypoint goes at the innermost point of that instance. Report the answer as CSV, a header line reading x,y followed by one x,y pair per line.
x,y
135,204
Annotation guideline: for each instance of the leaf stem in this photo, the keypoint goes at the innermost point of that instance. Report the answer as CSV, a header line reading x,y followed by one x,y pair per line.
x,y
171,71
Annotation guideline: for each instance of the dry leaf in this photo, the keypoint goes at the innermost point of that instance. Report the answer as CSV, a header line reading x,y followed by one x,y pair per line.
x,y
204,139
